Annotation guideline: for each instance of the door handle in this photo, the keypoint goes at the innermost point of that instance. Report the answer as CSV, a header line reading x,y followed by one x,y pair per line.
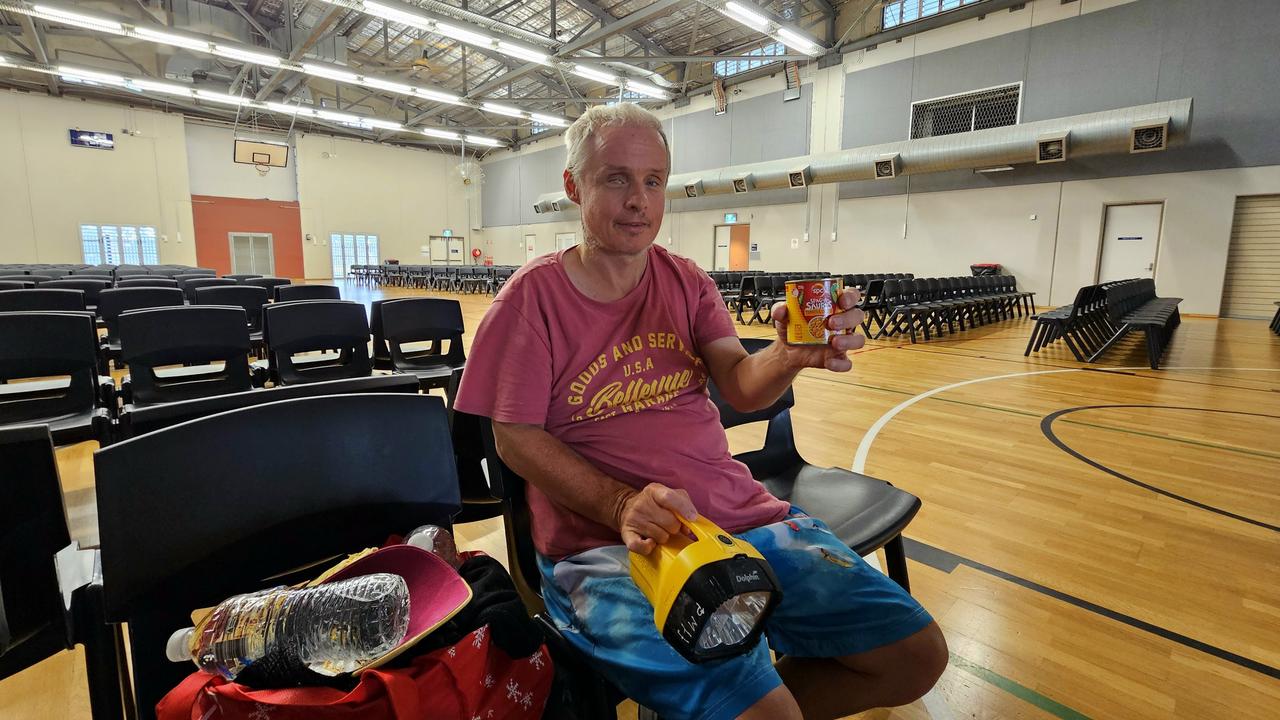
x,y
1151,266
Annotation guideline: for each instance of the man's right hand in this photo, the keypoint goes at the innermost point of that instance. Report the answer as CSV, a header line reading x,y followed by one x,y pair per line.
x,y
648,518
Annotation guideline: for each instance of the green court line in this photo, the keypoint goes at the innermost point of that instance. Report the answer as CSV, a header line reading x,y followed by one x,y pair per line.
x,y
1022,692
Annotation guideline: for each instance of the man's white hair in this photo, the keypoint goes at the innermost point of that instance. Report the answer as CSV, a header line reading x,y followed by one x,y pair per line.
x,y
578,136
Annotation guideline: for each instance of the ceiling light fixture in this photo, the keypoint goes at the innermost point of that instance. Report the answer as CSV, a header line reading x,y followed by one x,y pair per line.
x,y
395,87
592,74
331,73
523,53
222,98
437,96
445,134
747,16
394,14
161,87
548,119
796,41
647,89
235,53
68,17
467,36
502,109
482,140
382,124
171,39
95,76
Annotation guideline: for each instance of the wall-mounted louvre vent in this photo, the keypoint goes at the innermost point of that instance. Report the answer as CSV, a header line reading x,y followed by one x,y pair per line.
x,y
994,107
1149,136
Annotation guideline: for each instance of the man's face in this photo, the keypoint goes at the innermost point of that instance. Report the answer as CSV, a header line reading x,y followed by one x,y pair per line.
x,y
621,188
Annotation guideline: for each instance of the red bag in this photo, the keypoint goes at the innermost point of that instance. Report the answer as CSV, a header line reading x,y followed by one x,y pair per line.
x,y
471,679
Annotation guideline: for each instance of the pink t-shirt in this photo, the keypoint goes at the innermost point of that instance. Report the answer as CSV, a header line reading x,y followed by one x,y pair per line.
x,y
620,383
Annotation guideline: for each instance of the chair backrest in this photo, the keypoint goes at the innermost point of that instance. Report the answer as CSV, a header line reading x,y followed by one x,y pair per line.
x,y
132,281
270,283
316,325
290,293
123,271
16,284
33,526
188,335
300,483
246,296
190,286
241,277
46,345
90,287
190,273
381,353
412,320
40,299
114,301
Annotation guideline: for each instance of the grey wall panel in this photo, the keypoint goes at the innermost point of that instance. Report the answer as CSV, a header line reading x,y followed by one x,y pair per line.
x,y
766,128
1000,60
1221,54
1094,62
699,141
500,193
540,173
877,105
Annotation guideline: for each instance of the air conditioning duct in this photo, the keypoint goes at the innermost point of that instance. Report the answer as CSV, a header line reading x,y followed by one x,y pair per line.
x,y
887,166
1141,128
1052,148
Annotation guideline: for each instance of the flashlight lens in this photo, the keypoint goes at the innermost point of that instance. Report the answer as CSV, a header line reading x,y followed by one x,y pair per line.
x,y
733,621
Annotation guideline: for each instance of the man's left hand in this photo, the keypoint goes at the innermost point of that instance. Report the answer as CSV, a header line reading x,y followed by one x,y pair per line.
x,y
834,356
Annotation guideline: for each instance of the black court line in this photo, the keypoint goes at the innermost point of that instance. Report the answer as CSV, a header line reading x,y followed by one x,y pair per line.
x,y
1046,427
947,562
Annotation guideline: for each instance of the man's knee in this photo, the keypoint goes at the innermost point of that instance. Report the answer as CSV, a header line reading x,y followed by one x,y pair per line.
x,y
909,667
778,704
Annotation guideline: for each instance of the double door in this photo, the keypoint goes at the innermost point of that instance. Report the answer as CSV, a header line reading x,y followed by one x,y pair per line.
x,y
252,253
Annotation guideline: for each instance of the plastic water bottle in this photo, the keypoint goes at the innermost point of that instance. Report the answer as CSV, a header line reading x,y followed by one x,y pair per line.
x,y
437,541
330,629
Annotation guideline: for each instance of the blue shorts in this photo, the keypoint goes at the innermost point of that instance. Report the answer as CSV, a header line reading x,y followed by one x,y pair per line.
x,y
833,604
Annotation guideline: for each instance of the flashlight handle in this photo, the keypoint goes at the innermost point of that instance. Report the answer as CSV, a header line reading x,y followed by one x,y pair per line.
x,y
702,528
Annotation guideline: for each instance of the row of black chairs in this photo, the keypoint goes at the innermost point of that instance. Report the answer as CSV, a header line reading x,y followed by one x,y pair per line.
x,y
115,272
753,293
168,525
44,295
175,353
449,278
1103,314
937,304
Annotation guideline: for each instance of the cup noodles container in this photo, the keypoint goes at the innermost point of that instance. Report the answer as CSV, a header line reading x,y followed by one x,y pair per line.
x,y
809,304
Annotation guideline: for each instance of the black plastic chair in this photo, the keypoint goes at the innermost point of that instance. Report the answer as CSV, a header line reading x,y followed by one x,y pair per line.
x,y
269,283
316,326
53,345
381,354
252,299
40,299
479,502
90,287
134,281
136,421
418,320
865,513
113,302
192,336
23,277
34,621
16,285
291,293
241,277
190,286
303,483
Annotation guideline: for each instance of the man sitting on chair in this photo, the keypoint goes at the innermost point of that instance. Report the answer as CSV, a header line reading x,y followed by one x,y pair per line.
x,y
593,365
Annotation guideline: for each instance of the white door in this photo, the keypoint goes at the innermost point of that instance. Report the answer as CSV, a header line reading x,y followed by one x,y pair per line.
x,y
457,251
1130,241
565,240
528,247
721,261
439,251
251,253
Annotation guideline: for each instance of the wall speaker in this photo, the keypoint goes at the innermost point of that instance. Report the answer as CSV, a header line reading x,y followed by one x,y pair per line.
x,y
1149,136
693,189
744,183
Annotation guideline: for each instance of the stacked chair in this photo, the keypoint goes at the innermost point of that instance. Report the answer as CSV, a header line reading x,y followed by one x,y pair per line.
x,y
37,346
436,321
338,329
38,298
180,353
113,302
929,304
1102,315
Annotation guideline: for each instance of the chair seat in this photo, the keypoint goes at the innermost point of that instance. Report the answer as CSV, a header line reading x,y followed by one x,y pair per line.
x,y
863,512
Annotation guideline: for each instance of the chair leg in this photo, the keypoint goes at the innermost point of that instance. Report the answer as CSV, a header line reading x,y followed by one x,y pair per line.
x,y
895,556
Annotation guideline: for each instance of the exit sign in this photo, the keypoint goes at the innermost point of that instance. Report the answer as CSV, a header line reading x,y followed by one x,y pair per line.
x,y
730,218
448,233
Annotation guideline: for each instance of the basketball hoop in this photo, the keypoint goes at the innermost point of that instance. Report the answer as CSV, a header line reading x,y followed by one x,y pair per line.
x,y
262,168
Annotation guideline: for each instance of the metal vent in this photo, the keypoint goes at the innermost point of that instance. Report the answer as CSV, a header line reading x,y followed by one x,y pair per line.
x,y
1051,148
744,183
887,167
979,110
1149,136
799,177
693,189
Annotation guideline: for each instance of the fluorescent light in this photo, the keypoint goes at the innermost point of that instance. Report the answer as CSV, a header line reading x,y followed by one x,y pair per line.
x,y
459,33
549,119
996,169
436,95
332,73
394,14
799,42
440,133
171,39
482,140
221,98
382,124
647,89
288,109
591,74
4,60
93,75
747,16
395,87
502,109
78,19
523,53
161,87
339,117
235,53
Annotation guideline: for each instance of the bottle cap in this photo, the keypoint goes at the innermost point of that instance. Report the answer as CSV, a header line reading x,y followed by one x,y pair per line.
x,y
178,649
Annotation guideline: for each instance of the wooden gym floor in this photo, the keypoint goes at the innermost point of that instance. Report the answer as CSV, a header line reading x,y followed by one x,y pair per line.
x,y
1097,541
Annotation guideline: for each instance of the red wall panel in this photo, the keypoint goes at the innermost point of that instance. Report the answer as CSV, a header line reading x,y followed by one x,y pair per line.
x,y
217,217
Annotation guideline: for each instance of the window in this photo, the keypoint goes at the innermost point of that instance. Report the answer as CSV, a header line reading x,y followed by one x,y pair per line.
x,y
900,12
119,245
993,107
725,68
352,249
